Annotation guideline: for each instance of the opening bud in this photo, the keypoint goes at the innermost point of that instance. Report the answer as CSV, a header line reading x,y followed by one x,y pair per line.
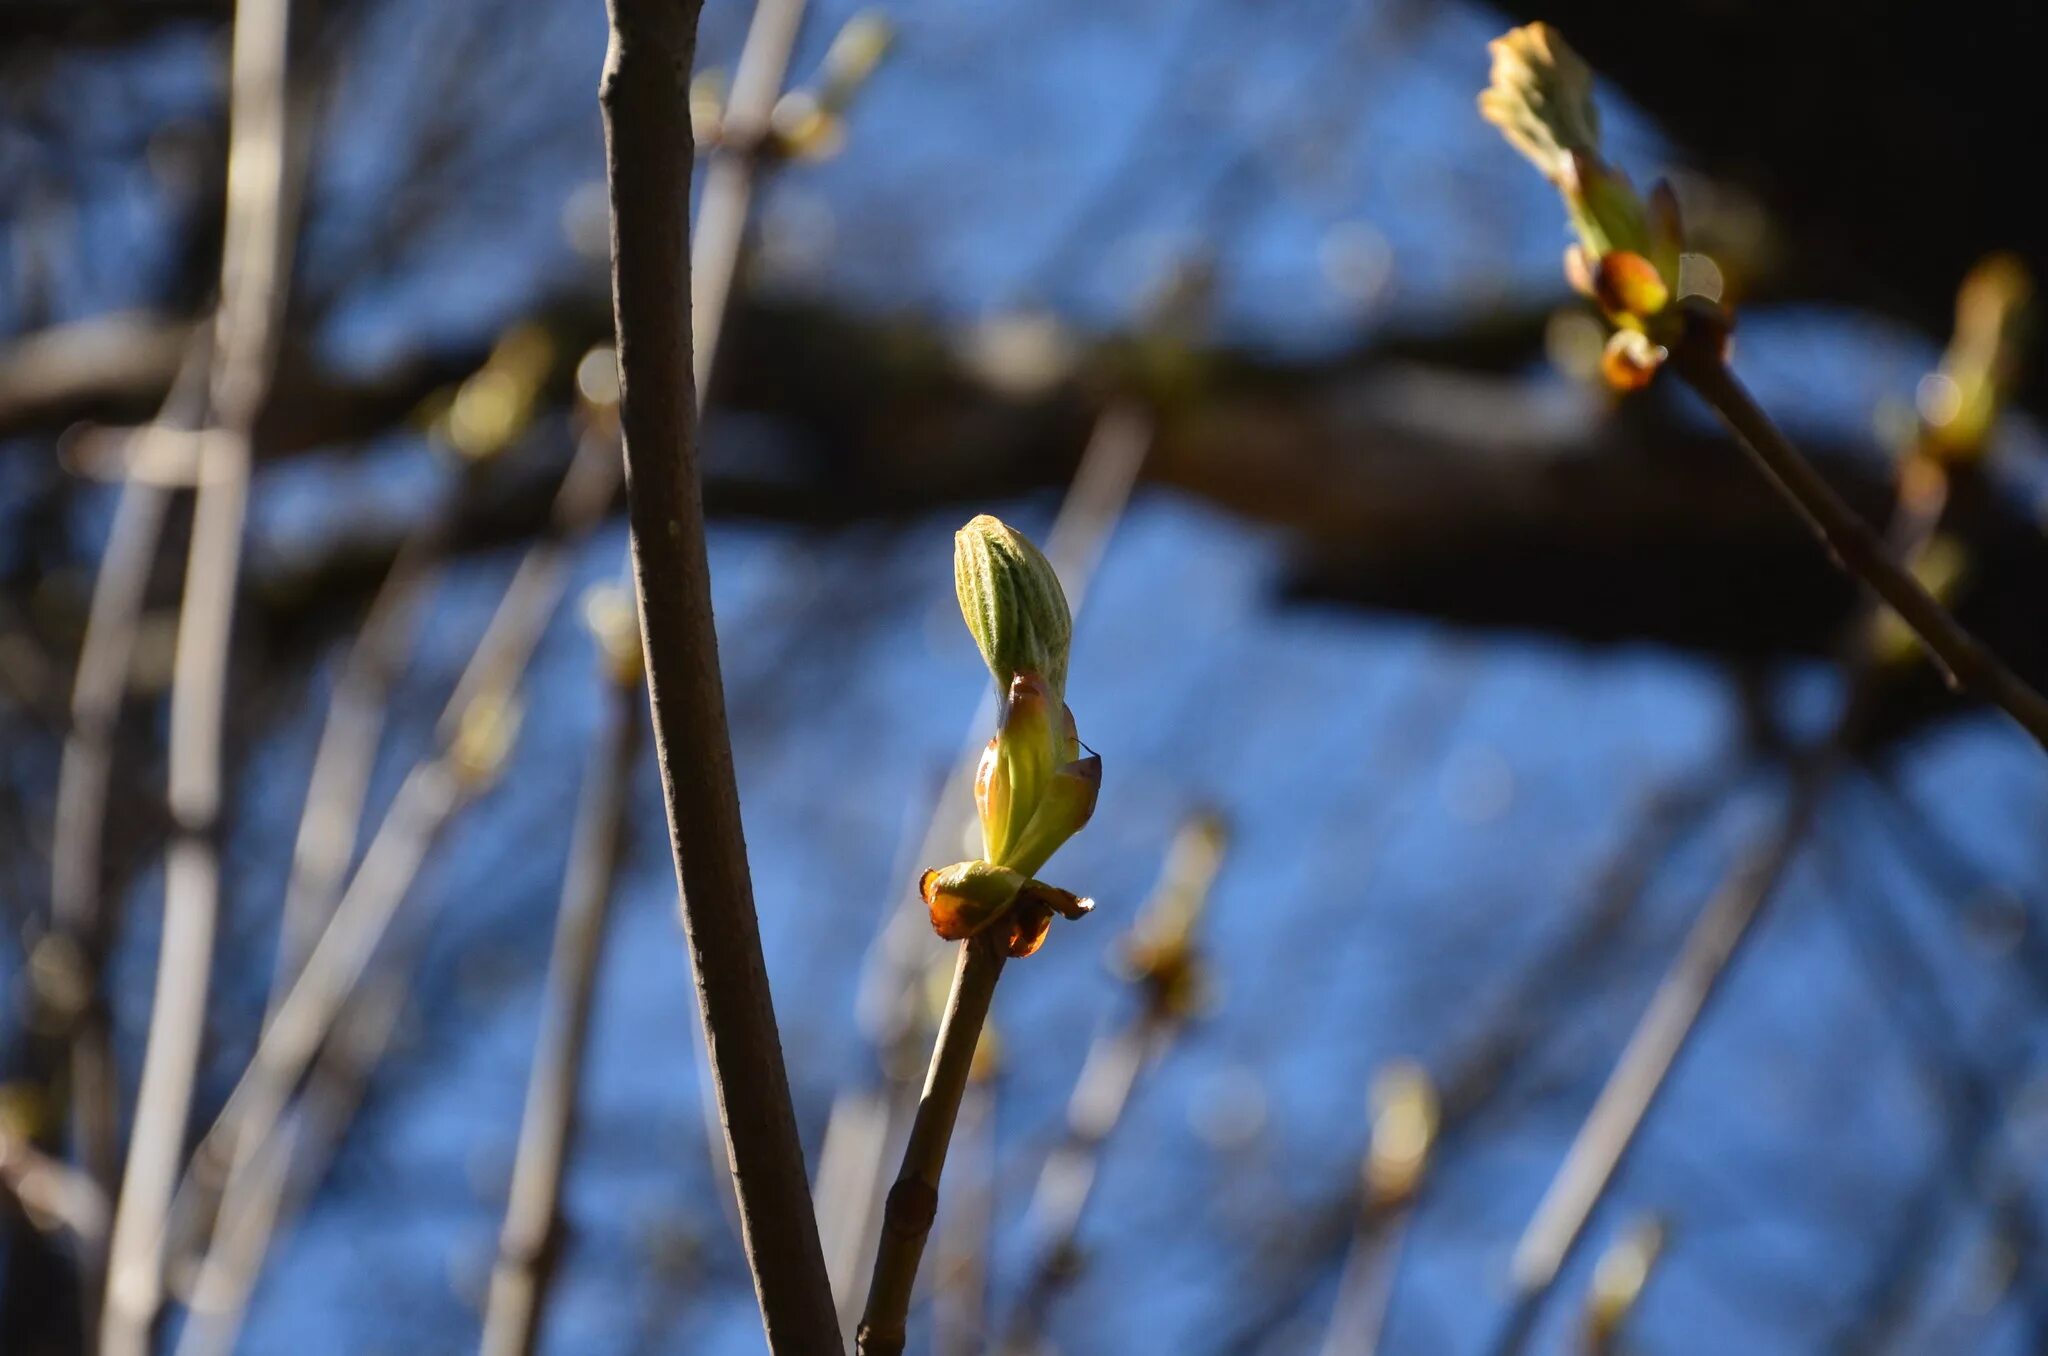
x,y
1013,604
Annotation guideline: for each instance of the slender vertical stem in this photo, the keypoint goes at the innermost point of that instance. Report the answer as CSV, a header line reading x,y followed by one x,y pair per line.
x,y
292,1040
527,1242
1967,661
648,154
254,268
1365,1288
914,1200
78,837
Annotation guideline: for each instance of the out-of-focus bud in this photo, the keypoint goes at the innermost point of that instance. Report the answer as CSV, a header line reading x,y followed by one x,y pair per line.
x,y
1619,1279
1627,286
707,107
804,129
1541,98
855,54
1630,360
484,735
1013,604
597,379
1405,1115
1960,403
609,613
492,408
1160,955
811,125
1630,248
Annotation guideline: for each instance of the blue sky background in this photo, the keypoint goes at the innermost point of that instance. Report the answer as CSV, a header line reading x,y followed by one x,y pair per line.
x,y
1416,814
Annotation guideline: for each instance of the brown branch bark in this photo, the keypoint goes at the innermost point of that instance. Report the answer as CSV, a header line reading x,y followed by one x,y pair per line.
x,y
1969,664
914,1200
648,154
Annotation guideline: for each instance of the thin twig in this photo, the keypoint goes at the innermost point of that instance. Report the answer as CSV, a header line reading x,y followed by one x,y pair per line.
x,y
528,1242
288,1045
255,271
355,925
51,1193
84,777
1653,1049
866,1124
339,782
284,1169
1525,1007
648,150
1365,1288
1407,1115
914,1200
487,680
1966,661
1682,995
729,180
1067,1181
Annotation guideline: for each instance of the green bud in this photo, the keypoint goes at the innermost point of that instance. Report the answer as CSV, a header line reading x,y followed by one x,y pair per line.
x,y
1013,603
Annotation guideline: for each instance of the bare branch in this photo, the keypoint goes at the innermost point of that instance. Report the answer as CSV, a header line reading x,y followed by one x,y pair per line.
x,y
528,1242
648,152
1965,660
914,1200
255,269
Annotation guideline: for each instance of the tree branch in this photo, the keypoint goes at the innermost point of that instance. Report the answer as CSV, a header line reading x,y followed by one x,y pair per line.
x,y
914,1200
255,270
648,154
1967,662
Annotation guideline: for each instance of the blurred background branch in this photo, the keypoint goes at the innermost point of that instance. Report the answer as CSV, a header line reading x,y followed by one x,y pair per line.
x,y
1498,680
